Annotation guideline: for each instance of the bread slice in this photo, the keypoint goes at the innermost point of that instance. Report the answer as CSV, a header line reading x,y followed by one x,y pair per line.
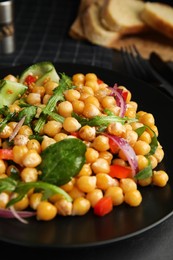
x,y
93,29
123,16
76,30
160,17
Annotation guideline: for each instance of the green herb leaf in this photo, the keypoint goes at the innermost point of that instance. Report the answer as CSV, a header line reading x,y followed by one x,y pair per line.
x,y
102,120
145,173
62,160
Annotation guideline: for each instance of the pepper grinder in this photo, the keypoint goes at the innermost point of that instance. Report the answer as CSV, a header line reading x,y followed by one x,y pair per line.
x,y
7,44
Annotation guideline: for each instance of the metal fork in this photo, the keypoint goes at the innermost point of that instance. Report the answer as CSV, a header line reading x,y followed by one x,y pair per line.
x,y
140,68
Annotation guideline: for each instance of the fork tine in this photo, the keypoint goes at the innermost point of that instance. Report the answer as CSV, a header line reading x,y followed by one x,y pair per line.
x,y
136,65
129,61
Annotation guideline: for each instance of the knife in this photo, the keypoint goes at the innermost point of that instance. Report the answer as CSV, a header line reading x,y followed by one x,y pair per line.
x,y
161,67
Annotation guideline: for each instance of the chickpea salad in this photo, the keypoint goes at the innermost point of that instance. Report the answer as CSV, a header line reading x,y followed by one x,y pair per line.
x,y
69,145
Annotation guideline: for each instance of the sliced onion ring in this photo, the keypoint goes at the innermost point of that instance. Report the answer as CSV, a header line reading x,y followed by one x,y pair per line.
x,y
120,100
17,128
127,150
20,215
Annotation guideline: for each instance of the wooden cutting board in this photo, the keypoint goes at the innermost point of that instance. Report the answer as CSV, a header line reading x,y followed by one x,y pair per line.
x,y
147,43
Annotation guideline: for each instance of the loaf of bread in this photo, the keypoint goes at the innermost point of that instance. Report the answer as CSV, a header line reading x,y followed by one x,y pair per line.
x,y
159,16
123,16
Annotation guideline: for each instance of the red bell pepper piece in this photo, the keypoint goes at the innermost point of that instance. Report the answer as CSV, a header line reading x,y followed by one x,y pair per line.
x,y
30,79
6,154
119,171
113,146
99,81
103,206
125,94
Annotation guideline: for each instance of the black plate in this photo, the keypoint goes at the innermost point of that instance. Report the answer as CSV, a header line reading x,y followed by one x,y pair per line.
x,y
123,222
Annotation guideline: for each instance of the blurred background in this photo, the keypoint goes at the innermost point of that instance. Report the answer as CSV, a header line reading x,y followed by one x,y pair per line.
x,y
41,33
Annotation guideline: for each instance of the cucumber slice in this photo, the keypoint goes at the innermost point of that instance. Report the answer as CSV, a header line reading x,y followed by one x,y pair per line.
x,y
10,91
42,70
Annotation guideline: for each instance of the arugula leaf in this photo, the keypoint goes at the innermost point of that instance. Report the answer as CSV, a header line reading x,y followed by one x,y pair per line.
x,y
64,83
102,120
154,141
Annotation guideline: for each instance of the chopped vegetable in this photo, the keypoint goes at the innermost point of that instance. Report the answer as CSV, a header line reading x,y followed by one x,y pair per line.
x,y
43,70
103,206
128,151
10,91
6,154
61,161
118,171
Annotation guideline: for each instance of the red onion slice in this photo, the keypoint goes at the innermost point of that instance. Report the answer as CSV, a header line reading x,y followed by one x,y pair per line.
x,y
128,151
120,100
17,128
20,215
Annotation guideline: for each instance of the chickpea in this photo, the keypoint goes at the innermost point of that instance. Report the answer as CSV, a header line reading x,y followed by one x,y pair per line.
x,y
22,204
90,110
100,165
71,124
94,196
91,76
60,136
92,100
29,174
116,193
25,130
160,178
65,108
116,129
6,132
133,198
101,143
35,199
147,119
21,140
18,153
141,147
3,167
107,156
49,86
4,199
52,127
33,98
86,183
78,79
71,95
92,84
91,155
78,106
142,162
64,207
159,154
80,206
145,182
104,181
76,192
86,170
46,142
128,184
69,185
31,159
46,211
34,144
87,133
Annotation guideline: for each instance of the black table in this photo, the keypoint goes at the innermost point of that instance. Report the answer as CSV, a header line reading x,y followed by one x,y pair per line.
x,y
41,33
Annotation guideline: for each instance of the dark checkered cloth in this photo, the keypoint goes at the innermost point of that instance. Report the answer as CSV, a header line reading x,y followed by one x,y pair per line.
x,y
41,33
